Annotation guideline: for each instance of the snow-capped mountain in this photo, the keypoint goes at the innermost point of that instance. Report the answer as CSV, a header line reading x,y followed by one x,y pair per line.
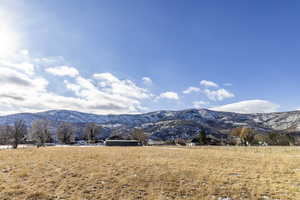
x,y
169,124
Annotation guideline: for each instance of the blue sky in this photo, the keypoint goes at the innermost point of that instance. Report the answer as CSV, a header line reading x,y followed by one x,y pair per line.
x,y
137,56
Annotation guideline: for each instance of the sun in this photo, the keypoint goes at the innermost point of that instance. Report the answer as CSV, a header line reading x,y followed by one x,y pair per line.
x,y
8,39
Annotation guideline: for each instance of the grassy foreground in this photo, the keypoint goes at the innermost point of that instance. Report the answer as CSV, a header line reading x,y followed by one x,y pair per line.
x,y
150,173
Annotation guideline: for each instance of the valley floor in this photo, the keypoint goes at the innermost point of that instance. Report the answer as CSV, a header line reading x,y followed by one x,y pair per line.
x,y
154,173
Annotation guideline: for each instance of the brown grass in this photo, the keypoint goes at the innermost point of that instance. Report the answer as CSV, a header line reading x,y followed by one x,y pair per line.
x,y
150,173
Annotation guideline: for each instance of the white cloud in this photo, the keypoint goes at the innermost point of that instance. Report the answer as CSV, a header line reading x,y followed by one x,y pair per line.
x,y
101,100
249,106
206,83
112,85
147,81
108,77
24,66
26,91
11,79
63,71
169,95
107,94
200,104
190,90
218,95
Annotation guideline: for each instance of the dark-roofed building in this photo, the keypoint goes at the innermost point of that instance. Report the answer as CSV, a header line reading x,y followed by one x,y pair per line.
x,y
121,143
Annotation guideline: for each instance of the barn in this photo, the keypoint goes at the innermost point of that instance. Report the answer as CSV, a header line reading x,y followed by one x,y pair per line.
x,y
121,143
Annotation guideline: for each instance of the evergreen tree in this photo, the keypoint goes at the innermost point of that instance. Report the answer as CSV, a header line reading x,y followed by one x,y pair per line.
x,y
202,137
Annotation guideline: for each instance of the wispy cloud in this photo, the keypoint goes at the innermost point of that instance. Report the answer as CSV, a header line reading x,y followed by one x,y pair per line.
x,y
200,104
227,84
63,71
207,83
190,90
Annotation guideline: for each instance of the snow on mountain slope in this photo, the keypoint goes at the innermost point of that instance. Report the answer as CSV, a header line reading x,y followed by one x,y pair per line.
x,y
159,124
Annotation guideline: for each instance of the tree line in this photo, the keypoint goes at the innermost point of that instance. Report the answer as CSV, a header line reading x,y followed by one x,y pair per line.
x,y
246,136
243,136
40,133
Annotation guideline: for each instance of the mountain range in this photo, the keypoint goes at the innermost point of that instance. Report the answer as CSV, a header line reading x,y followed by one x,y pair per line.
x,y
165,125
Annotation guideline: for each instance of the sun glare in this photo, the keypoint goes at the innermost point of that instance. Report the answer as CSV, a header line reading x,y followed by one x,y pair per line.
x,y
8,39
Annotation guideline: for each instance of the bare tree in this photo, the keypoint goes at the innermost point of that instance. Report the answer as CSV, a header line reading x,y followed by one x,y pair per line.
x,y
4,135
140,136
91,131
65,133
40,132
17,133
180,141
246,135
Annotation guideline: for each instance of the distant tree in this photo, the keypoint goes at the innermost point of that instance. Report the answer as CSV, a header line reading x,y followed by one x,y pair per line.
x,y
180,141
232,140
273,138
91,131
202,137
40,132
140,136
260,139
297,140
281,139
65,133
291,139
170,142
17,133
246,135
4,135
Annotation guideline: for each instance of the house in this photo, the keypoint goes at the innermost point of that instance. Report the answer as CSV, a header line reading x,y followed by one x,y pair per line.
x,y
121,143
155,142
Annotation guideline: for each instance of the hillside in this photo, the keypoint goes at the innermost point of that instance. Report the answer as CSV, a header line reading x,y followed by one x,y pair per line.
x,y
168,124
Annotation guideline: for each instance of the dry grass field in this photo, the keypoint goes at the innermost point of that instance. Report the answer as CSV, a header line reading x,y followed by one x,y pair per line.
x,y
154,173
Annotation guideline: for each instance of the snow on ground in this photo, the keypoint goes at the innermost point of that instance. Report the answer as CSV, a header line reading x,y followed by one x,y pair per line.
x,y
19,146
57,145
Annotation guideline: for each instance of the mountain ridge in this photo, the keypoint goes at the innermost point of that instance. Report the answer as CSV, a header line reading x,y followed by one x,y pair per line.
x,y
168,124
